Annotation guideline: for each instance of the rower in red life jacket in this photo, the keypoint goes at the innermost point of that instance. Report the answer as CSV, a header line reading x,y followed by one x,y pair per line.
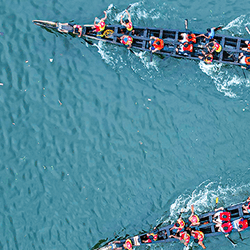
x,y
245,61
240,224
198,237
157,44
247,49
214,45
194,219
184,237
206,57
246,206
225,227
221,215
188,37
100,26
179,225
127,23
185,48
126,40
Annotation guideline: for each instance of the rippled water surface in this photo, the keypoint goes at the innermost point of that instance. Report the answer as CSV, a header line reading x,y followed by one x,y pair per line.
x,y
98,143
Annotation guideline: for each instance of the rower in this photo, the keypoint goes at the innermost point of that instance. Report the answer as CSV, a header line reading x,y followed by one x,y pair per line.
x,y
157,44
209,35
194,219
127,23
179,225
127,245
245,61
226,227
221,215
100,26
69,28
198,237
214,45
185,48
240,224
206,57
184,237
188,37
248,46
246,208
126,40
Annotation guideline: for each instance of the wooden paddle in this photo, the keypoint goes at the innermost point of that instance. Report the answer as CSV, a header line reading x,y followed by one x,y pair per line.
x,y
248,31
218,28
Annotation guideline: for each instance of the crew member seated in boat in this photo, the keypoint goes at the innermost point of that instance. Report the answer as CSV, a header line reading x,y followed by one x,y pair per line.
x,y
126,40
69,28
151,237
225,227
209,35
127,24
198,237
221,215
188,37
245,61
179,225
185,48
193,219
100,26
206,57
247,49
240,224
184,237
246,206
127,245
157,44
213,45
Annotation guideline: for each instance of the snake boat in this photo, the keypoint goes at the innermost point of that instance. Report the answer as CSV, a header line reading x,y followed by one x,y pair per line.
x,y
206,226
141,37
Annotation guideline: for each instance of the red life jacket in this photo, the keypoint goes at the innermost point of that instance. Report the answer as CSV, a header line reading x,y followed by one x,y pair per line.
x,y
199,235
128,244
127,40
194,219
227,227
243,223
100,26
225,216
209,59
160,46
185,236
129,26
248,45
217,47
191,38
182,224
188,47
247,60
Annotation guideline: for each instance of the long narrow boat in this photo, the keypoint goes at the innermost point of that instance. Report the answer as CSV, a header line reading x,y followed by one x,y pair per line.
x,y
231,46
207,227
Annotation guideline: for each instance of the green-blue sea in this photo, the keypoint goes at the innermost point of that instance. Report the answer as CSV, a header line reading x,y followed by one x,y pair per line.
x,y
98,143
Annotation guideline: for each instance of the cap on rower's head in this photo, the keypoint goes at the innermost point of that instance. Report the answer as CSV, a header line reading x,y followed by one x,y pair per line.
x,y
209,58
177,224
126,21
209,30
189,32
225,228
186,45
158,43
189,37
240,226
224,216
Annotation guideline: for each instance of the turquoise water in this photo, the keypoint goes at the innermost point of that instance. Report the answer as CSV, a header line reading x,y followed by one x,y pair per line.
x,y
98,143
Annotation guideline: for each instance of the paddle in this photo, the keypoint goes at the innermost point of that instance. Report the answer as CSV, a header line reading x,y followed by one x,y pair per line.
x,y
186,24
218,28
248,31
151,56
216,202
244,73
126,9
233,243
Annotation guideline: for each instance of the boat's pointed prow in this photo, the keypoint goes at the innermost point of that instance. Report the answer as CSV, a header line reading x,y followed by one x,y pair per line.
x,y
46,24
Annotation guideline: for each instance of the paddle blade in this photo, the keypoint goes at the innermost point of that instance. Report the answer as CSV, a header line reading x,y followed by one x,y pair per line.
x,y
247,30
192,208
218,28
186,24
216,202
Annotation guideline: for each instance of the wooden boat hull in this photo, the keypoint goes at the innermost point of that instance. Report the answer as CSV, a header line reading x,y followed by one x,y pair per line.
x,y
207,227
141,37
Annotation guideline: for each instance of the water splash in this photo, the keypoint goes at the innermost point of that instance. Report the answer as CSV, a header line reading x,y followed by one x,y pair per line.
x,y
235,23
223,80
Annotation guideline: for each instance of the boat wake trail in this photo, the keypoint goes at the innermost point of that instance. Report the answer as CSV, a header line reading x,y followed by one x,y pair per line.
x,y
224,80
236,26
204,196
